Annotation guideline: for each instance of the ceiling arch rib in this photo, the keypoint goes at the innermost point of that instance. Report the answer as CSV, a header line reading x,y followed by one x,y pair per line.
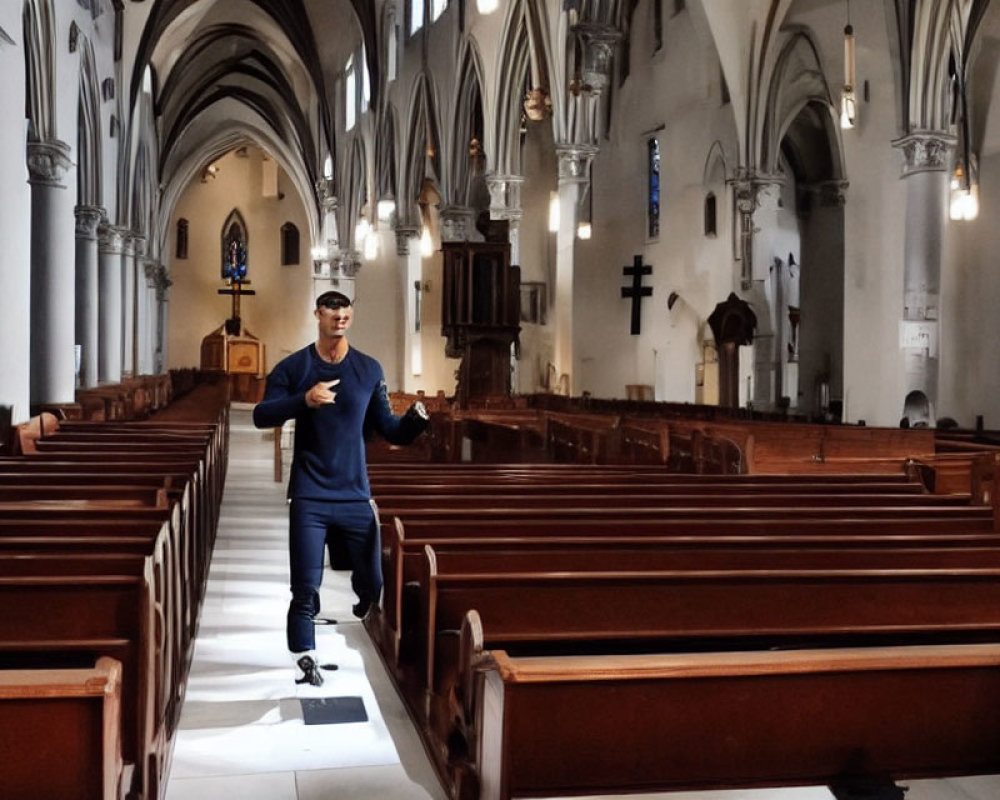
x,y
207,141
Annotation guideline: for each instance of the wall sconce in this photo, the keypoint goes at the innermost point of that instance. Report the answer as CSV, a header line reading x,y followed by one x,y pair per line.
x,y
209,172
371,245
386,207
553,212
584,230
426,246
964,200
848,98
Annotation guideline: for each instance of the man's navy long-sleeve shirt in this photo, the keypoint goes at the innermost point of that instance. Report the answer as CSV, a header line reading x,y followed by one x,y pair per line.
x,y
328,460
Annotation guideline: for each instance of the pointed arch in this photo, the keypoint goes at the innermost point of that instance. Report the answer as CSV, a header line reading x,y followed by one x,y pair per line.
x,y
798,81
386,168
39,54
355,192
423,159
89,170
468,123
515,60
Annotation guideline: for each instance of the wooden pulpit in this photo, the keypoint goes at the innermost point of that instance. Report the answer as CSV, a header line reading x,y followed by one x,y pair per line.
x,y
480,316
235,354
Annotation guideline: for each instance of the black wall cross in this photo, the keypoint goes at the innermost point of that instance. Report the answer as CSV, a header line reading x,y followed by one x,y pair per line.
x,y
637,291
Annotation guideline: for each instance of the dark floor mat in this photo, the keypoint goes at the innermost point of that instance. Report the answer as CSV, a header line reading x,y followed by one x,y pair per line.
x,y
333,710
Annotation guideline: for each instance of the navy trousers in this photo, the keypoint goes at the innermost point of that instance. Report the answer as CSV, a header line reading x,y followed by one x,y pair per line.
x,y
352,528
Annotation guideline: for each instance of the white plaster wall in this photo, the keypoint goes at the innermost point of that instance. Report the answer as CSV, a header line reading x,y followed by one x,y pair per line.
x,y
280,314
970,297
15,222
686,112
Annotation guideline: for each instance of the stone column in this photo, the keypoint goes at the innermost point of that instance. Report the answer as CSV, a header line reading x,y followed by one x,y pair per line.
x,y
87,295
162,285
574,172
132,247
52,275
821,292
410,271
505,203
109,315
927,159
145,315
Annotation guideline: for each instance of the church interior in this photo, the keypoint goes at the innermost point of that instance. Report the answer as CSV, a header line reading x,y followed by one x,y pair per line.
x,y
713,270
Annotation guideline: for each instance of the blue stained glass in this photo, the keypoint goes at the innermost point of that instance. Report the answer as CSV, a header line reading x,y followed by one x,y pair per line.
x,y
234,255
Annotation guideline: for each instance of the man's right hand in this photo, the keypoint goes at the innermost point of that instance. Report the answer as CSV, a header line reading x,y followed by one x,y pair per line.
x,y
322,394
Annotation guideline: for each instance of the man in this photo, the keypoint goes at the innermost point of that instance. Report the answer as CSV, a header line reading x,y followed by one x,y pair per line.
x,y
337,395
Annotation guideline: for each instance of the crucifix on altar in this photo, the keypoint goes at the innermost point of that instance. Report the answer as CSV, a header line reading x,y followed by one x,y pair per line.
x,y
231,348
637,291
234,325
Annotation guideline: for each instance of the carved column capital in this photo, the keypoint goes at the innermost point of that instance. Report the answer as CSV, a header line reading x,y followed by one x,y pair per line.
x,y
88,219
574,162
828,194
110,239
457,223
348,263
404,235
326,196
505,196
48,163
926,151
599,42
161,282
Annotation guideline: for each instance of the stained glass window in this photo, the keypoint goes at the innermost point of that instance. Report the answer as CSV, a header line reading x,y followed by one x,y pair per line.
x,y
234,248
653,205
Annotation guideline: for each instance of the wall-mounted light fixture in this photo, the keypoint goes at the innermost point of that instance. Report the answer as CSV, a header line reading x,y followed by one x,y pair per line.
x,y
848,98
426,246
964,194
386,207
211,171
553,212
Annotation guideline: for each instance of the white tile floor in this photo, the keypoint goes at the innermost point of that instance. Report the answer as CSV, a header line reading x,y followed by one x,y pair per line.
x,y
241,733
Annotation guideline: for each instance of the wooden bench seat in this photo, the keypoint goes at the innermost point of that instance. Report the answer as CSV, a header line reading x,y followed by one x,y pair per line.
x,y
565,612
638,486
397,503
681,606
648,723
60,732
116,617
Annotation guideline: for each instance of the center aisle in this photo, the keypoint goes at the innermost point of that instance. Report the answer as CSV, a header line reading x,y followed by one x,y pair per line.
x,y
242,732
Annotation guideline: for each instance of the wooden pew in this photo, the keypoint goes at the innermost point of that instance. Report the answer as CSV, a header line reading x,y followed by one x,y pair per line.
x,y
60,732
120,621
683,609
616,724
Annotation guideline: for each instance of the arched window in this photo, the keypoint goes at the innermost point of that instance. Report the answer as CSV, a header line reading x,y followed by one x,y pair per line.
x,y
181,245
350,94
711,215
289,244
653,188
416,16
234,247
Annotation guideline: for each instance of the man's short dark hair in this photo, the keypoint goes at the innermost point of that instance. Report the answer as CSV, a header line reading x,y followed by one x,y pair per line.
x,y
333,299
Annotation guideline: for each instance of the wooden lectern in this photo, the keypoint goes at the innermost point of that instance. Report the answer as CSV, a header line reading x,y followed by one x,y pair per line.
x,y
232,349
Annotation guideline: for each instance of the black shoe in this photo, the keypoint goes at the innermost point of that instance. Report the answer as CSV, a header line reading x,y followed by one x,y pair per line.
x,y
361,608
310,672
